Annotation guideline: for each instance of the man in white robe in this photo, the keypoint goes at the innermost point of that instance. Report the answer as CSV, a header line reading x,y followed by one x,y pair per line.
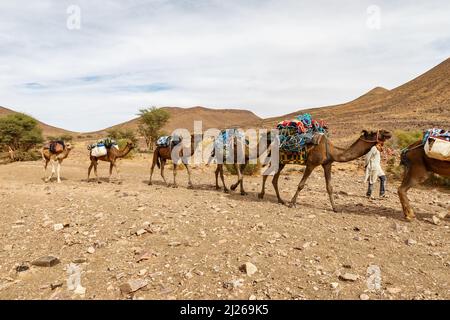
x,y
374,170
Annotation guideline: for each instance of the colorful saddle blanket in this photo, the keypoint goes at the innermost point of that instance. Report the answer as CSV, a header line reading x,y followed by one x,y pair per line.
x,y
56,146
297,133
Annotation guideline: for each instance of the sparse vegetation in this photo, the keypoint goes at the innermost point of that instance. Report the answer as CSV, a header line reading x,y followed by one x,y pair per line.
x,y
19,136
126,134
63,137
250,169
151,122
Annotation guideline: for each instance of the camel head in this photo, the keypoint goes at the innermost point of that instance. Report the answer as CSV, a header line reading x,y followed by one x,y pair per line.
x,y
130,145
375,136
69,146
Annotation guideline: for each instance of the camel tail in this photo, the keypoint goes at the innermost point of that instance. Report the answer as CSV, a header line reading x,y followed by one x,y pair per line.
x,y
156,158
403,158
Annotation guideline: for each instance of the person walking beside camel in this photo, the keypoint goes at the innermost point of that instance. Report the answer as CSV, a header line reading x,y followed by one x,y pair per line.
x,y
374,170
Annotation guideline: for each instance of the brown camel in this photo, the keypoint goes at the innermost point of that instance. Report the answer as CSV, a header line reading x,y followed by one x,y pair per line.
x,y
238,167
112,155
418,168
56,158
324,154
160,157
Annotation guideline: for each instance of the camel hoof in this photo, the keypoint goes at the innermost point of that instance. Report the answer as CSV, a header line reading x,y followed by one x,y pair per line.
x,y
260,195
233,187
99,182
217,188
226,191
292,205
190,186
410,218
150,184
243,193
175,186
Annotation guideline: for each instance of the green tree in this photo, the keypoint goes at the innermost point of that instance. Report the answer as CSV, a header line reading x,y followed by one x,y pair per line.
x,y
119,134
151,122
19,132
64,137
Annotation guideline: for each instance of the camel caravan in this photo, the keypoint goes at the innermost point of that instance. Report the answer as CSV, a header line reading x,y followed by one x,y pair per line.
x,y
302,141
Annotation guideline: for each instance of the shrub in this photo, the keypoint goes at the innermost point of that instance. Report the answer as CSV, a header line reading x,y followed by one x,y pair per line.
x,y
20,134
250,169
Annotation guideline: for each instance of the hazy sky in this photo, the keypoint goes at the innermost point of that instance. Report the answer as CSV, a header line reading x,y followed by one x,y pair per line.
x,y
268,56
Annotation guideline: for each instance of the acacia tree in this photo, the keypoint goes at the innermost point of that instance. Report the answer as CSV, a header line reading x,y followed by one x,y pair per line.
x,y
151,122
19,132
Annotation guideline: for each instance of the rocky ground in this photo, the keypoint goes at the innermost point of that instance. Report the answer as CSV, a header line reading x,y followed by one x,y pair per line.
x,y
132,240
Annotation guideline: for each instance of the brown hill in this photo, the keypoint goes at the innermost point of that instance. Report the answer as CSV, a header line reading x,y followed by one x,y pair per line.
x,y
419,104
47,130
185,117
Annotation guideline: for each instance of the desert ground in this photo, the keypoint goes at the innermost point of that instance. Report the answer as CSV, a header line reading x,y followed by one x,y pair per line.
x,y
191,244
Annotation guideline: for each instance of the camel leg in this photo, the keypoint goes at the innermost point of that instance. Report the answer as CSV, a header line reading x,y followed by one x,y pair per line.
x,y
216,174
118,172
327,172
52,173
263,187
58,170
420,175
45,168
175,176
95,171
275,179
309,169
151,172
190,185
89,170
163,164
225,189
111,165
241,180
239,174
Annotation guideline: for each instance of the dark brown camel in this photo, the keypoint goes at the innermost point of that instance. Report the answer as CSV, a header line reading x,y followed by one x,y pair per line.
x,y
111,157
324,154
418,168
162,154
238,167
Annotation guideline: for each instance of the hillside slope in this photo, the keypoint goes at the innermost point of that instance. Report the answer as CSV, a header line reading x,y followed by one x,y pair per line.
x,y
47,130
419,104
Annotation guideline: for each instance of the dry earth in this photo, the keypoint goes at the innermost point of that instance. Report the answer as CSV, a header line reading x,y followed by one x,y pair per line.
x,y
194,242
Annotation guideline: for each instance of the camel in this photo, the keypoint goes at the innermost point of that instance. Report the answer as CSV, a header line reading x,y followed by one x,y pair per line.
x,y
324,154
112,155
418,168
58,158
162,154
239,167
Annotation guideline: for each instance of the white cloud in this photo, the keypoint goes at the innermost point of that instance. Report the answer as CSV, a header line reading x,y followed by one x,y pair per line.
x,y
271,56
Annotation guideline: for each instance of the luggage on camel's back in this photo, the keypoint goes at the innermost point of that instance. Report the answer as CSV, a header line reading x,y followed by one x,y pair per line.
x,y
437,144
56,146
100,148
166,141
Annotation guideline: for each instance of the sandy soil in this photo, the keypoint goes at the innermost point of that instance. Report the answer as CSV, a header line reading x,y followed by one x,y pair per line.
x,y
195,241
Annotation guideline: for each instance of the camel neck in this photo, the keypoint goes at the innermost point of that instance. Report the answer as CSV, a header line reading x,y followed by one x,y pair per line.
x,y
124,152
356,150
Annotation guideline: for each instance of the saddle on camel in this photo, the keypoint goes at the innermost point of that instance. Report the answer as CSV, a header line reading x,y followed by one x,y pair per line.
x,y
429,155
55,151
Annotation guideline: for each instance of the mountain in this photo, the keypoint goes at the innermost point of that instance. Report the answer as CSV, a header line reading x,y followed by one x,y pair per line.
x,y
418,104
47,130
185,117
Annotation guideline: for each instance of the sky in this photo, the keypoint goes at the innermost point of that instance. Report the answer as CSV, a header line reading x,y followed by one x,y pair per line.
x,y
86,65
